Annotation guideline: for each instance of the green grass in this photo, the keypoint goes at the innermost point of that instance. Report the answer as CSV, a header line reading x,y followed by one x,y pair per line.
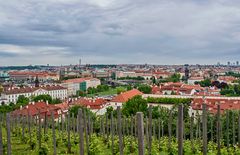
x,y
111,91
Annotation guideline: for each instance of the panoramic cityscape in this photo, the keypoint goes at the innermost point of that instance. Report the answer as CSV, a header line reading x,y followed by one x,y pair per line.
x,y
108,77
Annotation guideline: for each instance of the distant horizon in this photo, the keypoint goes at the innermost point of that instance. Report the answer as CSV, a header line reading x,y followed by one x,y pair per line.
x,y
59,65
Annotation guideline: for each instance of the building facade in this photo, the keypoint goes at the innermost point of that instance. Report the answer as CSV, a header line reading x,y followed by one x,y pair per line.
x,y
55,91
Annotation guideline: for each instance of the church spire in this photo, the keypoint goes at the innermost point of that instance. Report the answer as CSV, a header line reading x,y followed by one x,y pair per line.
x,y
36,82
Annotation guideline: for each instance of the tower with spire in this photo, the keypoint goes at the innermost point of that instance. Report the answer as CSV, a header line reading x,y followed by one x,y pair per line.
x,y
36,82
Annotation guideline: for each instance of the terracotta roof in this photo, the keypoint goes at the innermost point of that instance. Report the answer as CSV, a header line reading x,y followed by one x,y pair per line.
x,y
124,97
32,89
97,103
33,109
225,104
31,73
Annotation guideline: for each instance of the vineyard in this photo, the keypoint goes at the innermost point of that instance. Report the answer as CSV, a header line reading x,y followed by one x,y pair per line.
x,y
172,132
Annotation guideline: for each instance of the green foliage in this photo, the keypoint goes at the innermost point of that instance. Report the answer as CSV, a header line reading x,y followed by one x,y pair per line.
x,y
92,90
174,78
134,105
43,150
22,100
139,78
120,90
74,110
169,100
101,88
44,97
146,89
231,91
233,74
204,83
81,93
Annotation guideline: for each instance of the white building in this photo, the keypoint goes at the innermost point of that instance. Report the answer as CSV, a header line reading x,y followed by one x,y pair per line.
x,y
73,85
192,80
55,91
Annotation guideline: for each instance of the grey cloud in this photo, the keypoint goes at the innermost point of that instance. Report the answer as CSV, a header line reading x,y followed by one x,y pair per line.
x,y
156,31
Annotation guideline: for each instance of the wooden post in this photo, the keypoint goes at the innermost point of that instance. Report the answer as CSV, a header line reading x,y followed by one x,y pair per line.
x,y
154,129
86,131
238,128
45,123
227,126
147,133
191,131
112,133
131,134
211,123
81,136
233,129
150,130
180,129
107,129
120,130
62,125
89,127
159,133
9,149
53,134
29,126
23,126
135,127
204,121
39,130
68,131
140,133
218,130
170,129
1,138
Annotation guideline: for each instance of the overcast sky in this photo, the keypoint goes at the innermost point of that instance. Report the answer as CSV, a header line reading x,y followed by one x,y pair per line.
x,y
59,32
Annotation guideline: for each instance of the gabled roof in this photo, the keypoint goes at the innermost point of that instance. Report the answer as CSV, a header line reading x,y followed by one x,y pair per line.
x,y
97,103
32,89
124,97
34,108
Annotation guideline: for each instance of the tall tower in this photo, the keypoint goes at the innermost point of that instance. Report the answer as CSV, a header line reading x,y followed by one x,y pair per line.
x,y
186,72
237,63
36,82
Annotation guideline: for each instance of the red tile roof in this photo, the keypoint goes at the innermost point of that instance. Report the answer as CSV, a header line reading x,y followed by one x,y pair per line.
x,y
225,104
32,89
125,96
97,103
33,108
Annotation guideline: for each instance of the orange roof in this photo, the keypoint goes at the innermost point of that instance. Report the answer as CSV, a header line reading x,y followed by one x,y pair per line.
x,y
124,97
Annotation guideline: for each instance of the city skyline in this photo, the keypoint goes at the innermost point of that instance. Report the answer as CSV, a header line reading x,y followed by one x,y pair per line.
x,y
59,32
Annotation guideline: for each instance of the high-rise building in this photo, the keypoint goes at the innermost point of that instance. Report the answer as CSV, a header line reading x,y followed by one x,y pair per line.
x,y
228,63
237,63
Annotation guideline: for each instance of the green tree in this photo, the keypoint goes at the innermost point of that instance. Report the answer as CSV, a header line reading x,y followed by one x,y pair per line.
x,y
153,80
56,101
74,110
204,83
120,90
22,100
44,97
145,88
81,93
1,89
92,90
134,105
174,78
